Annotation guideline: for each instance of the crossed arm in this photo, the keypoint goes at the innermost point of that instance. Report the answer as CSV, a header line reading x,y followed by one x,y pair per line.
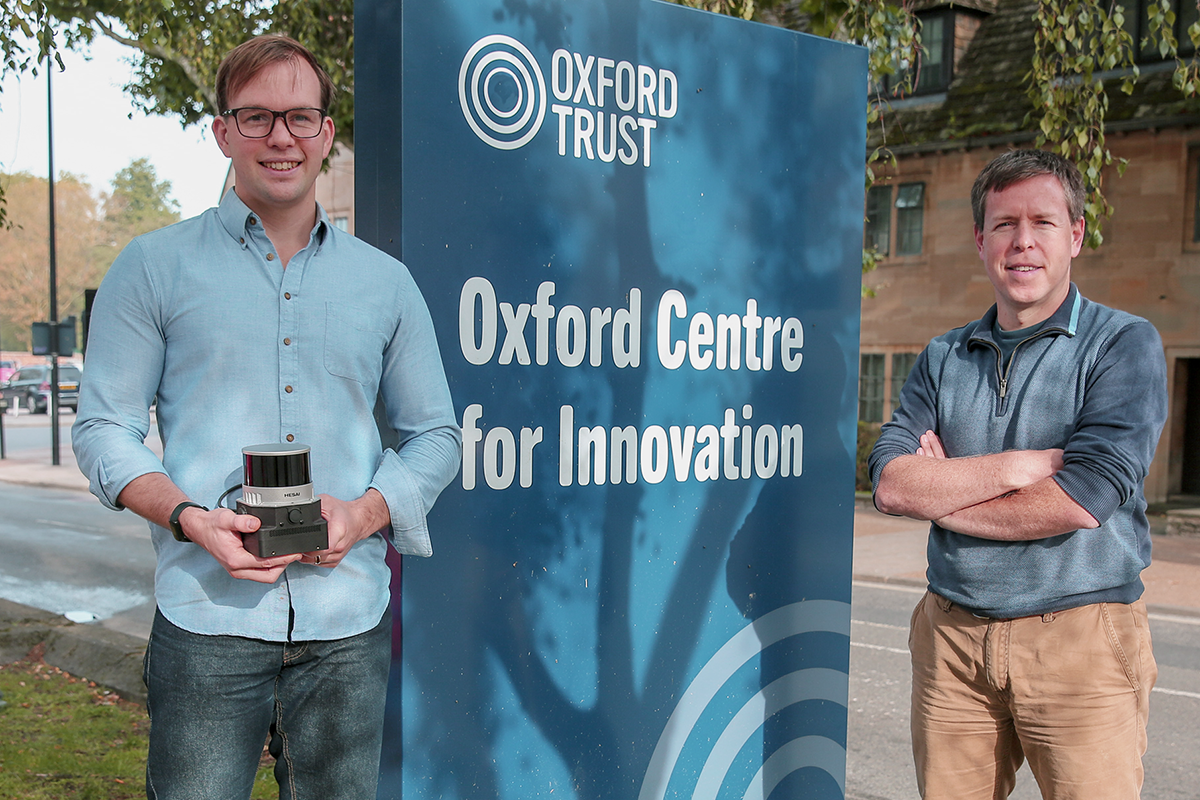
x,y
1010,496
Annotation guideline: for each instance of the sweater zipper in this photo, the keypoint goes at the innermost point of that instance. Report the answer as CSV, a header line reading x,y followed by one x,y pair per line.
x,y
1002,372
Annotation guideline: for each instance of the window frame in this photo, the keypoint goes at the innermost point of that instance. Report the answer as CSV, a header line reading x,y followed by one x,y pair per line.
x,y
869,402
1137,23
924,84
905,224
899,376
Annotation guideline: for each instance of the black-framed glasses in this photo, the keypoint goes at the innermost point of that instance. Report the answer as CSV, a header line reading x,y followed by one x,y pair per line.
x,y
257,123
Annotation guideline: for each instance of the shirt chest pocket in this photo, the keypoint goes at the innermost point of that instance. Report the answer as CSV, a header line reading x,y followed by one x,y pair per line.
x,y
354,343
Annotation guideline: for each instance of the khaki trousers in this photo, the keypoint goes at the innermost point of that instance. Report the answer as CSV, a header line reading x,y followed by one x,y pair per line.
x,y
1068,691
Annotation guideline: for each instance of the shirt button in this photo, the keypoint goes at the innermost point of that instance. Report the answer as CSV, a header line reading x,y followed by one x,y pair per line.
x,y
242,240
253,220
291,438
287,341
270,256
287,389
287,295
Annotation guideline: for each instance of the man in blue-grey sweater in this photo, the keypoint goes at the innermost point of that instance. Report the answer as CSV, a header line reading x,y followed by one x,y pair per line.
x,y
1025,438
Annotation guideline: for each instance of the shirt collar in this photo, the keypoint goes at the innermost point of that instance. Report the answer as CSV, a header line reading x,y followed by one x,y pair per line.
x,y
236,217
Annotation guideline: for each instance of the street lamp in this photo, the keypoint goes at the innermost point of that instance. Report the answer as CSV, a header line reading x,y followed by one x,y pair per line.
x,y
53,356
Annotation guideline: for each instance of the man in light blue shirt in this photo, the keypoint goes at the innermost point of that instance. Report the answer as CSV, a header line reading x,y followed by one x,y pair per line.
x,y
259,322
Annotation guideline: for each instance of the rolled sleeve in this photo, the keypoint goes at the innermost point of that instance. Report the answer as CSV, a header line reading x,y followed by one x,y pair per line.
x,y
1109,452
419,410
124,362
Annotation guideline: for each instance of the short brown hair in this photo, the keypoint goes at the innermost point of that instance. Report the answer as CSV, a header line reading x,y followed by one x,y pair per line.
x,y
249,58
1021,165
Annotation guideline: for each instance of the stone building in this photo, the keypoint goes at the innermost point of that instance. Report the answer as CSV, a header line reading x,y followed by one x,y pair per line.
x,y
974,107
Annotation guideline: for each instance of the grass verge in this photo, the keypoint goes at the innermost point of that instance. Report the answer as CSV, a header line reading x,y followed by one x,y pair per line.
x,y
64,738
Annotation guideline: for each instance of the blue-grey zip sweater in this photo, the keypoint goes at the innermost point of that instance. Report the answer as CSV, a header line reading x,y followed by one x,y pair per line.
x,y
1091,381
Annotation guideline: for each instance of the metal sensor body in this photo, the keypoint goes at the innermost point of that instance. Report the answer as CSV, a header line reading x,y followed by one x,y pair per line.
x,y
277,488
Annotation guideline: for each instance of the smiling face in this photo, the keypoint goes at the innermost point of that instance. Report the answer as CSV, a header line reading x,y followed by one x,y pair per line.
x,y
1027,243
276,176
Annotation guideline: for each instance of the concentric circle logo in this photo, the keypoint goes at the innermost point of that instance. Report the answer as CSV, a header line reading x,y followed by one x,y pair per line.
x,y
502,92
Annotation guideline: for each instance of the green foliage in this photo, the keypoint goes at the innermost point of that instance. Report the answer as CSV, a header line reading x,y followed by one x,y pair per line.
x,y
179,43
733,8
22,22
1075,41
139,202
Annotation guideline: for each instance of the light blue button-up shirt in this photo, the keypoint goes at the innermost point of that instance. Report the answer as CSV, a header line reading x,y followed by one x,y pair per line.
x,y
239,351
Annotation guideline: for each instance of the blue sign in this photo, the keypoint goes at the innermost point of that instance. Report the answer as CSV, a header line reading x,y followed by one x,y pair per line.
x,y
638,228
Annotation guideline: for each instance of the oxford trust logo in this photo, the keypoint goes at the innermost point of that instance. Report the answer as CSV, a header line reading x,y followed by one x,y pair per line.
x,y
603,108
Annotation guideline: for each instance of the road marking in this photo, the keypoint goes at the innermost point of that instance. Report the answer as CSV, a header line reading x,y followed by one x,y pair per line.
x,y
896,587
1177,693
1177,619
74,527
895,650
880,625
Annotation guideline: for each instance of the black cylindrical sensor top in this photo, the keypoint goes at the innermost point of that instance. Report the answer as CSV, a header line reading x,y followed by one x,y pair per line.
x,y
275,465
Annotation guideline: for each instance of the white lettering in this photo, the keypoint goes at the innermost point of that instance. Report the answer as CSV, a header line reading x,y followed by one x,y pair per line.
x,y
671,303
625,90
668,100
618,454
477,351
647,83
585,80
562,75
722,345
603,69
499,458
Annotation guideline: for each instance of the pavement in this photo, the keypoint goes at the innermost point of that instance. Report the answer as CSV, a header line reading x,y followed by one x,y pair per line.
x,y
886,550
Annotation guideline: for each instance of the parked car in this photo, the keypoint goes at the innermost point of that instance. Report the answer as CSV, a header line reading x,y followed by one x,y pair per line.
x,y
7,368
29,388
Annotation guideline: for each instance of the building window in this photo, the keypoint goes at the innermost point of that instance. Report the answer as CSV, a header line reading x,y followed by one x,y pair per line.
x,y
342,223
1137,23
1194,172
908,213
936,66
937,53
879,220
902,364
910,218
881,377
1191,200
870,387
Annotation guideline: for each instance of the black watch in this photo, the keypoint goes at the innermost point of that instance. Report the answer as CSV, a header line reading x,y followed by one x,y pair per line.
x,y
176,528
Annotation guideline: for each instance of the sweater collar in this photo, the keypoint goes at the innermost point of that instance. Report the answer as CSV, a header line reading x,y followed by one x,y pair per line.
x,y
1064,320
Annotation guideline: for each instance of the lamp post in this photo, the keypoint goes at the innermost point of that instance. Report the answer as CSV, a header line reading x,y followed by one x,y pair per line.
x,y
53,356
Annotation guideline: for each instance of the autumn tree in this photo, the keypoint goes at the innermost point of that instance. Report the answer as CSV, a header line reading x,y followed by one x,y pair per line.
x,y
25,248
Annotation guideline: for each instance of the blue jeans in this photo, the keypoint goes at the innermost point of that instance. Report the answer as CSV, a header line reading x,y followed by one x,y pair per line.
x,y
215,700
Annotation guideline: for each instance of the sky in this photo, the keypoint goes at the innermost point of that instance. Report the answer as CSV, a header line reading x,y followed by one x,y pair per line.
x,y
94,136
